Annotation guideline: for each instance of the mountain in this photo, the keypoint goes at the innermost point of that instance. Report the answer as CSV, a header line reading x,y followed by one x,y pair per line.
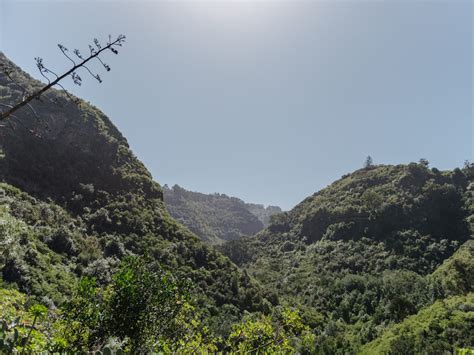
x,y
263,213
380,261
357,256
216,218
446,322
77,200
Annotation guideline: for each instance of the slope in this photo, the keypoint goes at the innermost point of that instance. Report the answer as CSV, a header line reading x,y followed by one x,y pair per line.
x,y
215,218
445,325
355,256
74,161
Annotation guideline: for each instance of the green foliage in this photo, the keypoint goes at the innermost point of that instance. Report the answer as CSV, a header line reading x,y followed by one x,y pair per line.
x,y
192,335
369,261
143,302
22,327
144,307
441,327
10,229
89,201
361,251
215,218
282,332
157,317
82,317
25,255
456,275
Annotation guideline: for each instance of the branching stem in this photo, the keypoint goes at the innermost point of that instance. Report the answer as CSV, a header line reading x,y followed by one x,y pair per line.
x,y
38,93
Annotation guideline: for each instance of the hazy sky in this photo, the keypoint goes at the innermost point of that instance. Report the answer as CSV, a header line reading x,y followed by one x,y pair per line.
x,y
268,101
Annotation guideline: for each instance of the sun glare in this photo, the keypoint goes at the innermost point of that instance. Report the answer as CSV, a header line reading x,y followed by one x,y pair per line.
x,y
237,15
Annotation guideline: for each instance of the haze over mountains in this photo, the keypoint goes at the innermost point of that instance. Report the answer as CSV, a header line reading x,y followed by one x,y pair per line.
x,y
381,261
216,218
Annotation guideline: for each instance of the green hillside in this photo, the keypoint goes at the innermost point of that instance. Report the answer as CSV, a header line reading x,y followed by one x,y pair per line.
x,y
357,255
445,326
216,218
76,200
380,261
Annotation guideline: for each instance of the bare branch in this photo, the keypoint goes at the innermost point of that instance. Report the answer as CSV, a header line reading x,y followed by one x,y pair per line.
x,y
92,74
47,70
33,110
43,70
97,44
76,79
106,66
28,105
40,66
78,54
6,105
73,99
64,50
17,120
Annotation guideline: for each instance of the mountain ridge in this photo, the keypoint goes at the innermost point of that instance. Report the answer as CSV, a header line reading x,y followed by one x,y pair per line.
x,y
359,266
356,256
216,218
75,160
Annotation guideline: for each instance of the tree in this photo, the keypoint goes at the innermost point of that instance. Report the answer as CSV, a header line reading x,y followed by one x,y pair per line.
x,y
144,302
468,169
95,51
144,306
368,162
281,332
373,200
10,230
23,326
83,314
424,162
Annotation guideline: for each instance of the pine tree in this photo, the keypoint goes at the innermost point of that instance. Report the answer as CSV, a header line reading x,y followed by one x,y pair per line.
x,y
368,162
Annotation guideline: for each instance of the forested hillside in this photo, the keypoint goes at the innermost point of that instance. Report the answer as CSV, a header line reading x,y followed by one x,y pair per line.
x,y
75,201
357,257
216,218
380,261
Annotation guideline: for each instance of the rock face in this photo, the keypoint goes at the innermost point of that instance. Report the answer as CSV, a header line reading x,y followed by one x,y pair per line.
x,y
216,218
74,160
70,145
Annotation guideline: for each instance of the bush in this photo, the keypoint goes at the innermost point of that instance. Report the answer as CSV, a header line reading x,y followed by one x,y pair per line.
x,y
62,241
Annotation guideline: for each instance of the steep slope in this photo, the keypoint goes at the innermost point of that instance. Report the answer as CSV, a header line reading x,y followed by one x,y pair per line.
x,y
215,218
263,213
73,160
445,325
356,255
40,245
440,328
456,275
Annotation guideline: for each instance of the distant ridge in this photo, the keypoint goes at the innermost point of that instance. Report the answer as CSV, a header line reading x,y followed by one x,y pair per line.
x,y
70,181
216,218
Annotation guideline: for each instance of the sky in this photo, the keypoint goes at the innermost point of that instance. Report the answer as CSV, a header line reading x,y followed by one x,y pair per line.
x,y
268,101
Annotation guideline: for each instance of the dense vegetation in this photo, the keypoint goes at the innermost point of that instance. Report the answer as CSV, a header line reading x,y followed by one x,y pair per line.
x,y
357,257
448,321
75,201
381,261
263,213
144,308
216,218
